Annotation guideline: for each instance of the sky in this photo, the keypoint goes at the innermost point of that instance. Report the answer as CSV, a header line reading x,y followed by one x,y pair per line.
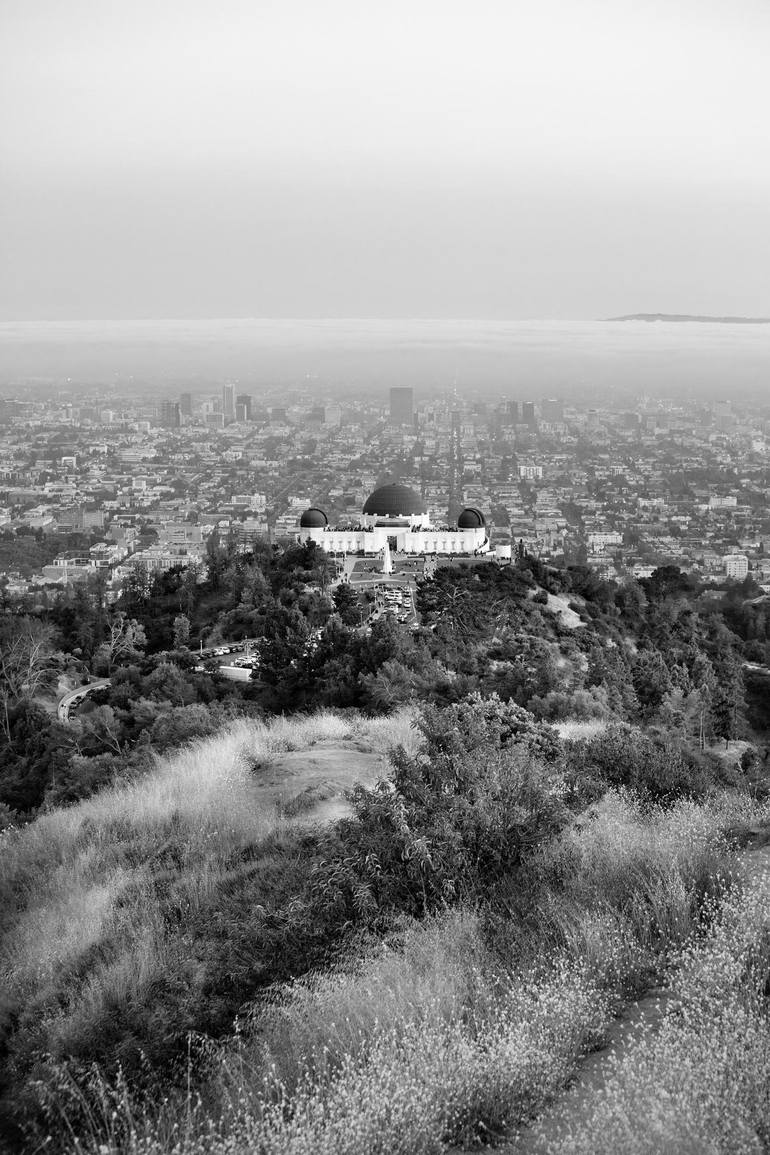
x,y
492,159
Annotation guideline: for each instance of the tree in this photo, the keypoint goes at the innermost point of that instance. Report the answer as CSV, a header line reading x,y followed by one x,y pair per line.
x,y
253,586
98,732
631,600
219,557
531,670
652,681
188,588
667,581
181,631
348,605
394,683
728,706
28,662
125,640
136,590
35,757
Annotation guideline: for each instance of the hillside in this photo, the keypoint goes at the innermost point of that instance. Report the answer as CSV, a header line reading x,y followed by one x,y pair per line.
x,y
388,894
462,935
105,907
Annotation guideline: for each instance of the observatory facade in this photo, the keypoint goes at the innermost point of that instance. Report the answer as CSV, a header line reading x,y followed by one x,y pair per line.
x,y
396,516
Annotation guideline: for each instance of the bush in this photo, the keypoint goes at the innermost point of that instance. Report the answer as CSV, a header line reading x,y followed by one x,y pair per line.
x,y
577,705
461,814
656,766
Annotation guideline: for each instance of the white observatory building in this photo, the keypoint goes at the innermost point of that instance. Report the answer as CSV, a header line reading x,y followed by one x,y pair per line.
x,y
395,515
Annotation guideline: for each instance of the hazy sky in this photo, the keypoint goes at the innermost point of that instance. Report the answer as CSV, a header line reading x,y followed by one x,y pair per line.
x,y
427,158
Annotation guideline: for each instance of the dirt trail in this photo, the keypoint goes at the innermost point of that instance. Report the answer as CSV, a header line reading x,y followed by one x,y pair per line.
x,y
574,1106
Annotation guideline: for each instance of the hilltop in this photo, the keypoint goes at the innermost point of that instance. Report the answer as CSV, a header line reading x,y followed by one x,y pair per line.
x,y
692,317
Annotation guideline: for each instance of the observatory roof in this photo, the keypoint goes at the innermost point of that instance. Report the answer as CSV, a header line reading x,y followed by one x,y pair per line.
x,y
313,518
394,501
471,518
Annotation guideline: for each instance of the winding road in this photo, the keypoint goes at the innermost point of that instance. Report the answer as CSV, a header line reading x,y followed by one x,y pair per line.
x,y
74,697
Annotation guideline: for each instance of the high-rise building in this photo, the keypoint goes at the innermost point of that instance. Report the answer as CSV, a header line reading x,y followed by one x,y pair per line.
x,y
528,412
552,409
185,404
402,405
228,402
170,415
243,407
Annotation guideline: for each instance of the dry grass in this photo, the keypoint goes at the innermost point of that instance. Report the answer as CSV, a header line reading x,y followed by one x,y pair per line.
x,y
625,887
445,1040
449,1035
572,730
699,1084
83,926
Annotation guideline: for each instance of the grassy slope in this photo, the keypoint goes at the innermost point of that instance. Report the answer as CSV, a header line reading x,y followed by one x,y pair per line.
x,y
451,1037
107,909
124,916
699,1082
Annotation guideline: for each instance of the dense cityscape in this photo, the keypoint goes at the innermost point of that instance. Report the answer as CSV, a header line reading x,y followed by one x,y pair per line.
x,y
91,483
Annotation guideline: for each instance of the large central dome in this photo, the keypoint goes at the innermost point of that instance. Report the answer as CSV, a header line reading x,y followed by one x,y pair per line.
x,y
394,501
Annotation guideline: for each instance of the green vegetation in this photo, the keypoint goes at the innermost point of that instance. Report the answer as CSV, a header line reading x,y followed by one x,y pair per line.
x,y
199,957
173,904
453,1031
661,653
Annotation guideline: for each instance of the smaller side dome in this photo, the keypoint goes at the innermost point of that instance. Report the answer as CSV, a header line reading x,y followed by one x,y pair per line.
x,y
471,518
313,518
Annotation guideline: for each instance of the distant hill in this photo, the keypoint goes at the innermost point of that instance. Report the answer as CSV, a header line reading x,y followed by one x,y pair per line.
x,y
690,317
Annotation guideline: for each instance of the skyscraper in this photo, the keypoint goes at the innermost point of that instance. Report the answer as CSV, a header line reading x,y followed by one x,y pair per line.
x,y
185,404
228,402
169,415
243,407
402,405
552,409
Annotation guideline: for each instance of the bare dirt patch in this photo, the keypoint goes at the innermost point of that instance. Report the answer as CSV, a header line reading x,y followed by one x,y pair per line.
x,y
568,617
312,783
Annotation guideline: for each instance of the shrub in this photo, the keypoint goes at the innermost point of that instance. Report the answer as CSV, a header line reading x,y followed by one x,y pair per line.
x,y
655,766
580,705
460,815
